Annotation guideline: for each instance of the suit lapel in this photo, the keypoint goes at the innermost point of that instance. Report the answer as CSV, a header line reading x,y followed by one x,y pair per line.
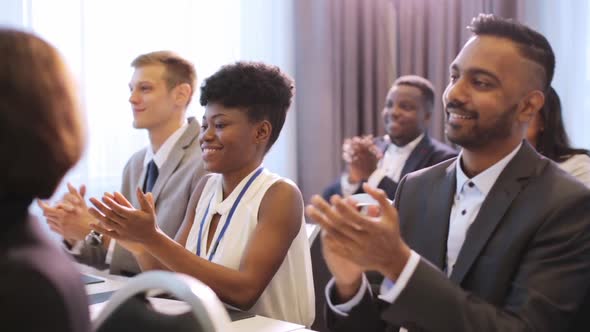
x,y
137,182
499,199
417,156
176,156
433,243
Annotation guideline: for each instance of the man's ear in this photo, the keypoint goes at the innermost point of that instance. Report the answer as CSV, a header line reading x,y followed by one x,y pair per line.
x,y
427,116
533,102
182,94
263,131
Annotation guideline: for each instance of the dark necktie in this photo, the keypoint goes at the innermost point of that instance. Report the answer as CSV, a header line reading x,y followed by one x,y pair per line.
x,y
150,176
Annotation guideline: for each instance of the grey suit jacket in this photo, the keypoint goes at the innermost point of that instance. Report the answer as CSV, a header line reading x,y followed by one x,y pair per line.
x,y
524,265
176,181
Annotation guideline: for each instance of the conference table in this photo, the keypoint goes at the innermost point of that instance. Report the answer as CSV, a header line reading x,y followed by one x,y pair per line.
x,y
113,282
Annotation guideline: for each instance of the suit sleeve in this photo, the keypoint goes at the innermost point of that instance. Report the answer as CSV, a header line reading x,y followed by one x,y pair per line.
x,y
366,316
93,256
550,282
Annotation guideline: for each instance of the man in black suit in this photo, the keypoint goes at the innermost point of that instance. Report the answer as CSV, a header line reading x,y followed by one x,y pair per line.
x,y
496,240
383,161
41,138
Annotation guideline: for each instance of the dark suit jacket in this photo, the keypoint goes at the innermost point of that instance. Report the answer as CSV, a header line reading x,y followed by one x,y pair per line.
x,y
427,153
524,265
176,182
40,289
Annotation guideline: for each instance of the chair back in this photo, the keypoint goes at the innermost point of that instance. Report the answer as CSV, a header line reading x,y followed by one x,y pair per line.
x,y
130,310
312,231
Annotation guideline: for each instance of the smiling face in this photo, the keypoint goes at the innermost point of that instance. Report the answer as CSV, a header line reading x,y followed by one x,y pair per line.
x,y
154,105
230,141
488,101
404,114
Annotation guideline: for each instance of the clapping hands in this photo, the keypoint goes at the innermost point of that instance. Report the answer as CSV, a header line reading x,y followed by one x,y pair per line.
x,y
117,218
362,155
69,217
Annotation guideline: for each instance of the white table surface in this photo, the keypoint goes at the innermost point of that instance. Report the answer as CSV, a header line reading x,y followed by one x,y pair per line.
x,y
112,282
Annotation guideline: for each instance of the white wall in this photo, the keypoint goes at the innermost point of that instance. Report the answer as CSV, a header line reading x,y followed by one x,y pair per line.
x,y
266,30
211,34
12,13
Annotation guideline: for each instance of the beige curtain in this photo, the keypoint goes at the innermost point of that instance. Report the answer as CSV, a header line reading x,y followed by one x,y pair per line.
x,y
431,33
345,62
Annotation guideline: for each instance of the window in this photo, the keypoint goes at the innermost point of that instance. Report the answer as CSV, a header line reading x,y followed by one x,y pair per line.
x,y
99,39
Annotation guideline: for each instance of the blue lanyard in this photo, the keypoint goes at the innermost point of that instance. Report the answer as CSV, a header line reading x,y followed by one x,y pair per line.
x,y
228,220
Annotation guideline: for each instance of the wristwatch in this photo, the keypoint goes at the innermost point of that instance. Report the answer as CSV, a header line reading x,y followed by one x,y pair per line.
x,y
93,238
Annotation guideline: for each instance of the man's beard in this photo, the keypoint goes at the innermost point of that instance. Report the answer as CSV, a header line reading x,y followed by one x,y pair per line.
x,y
478,136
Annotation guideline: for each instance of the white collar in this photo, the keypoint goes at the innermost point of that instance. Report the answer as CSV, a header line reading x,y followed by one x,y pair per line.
x,y
163,152
486,179
408,148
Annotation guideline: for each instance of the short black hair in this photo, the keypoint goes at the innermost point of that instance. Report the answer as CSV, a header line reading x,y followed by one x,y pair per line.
x,y
262,90
423,85
532,45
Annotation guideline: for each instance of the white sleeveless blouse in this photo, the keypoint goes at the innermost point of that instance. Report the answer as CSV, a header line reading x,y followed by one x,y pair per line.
x,y
290,294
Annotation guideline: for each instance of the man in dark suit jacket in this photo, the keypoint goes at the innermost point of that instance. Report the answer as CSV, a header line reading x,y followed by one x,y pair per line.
x,y
383,161
41,139
496,240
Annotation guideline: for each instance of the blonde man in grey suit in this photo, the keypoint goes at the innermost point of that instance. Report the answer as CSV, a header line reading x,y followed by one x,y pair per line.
x,y
161,88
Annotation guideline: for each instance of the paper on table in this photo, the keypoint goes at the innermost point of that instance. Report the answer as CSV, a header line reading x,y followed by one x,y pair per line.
x,y
89,279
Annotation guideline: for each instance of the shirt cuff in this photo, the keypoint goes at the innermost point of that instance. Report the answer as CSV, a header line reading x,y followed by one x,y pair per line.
x,y
347,187
376,177
344,308
75,248
401,282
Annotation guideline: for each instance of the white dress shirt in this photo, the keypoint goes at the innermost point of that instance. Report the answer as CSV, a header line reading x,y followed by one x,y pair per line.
x,y
469,196
391,165
159,158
